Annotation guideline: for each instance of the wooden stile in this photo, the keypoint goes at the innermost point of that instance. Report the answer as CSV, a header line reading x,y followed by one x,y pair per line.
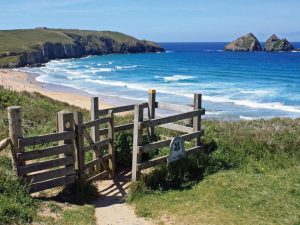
x,y
151,110
79,142
137,141
197,119
111,150
94,115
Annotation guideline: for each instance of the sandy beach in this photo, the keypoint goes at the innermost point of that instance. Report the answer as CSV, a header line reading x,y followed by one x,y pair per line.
x,y
20,81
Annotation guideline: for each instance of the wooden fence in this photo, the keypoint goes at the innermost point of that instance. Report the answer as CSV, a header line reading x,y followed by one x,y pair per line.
x,y
44,165
140,124
35,166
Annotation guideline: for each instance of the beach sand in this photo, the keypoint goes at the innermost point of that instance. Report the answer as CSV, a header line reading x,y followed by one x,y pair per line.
x,y
20,81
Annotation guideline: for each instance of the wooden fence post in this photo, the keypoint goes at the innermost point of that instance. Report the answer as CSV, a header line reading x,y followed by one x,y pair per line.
x,y
197,119
94,114
151,105
79,141
111,150
15,133
137,141
65,122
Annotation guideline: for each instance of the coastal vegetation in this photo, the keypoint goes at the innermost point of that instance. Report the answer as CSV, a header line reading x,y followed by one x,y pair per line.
x,y
247,173
33,47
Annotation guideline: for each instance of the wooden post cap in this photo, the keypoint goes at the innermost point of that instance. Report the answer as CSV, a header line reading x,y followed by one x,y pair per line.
x,y
151,91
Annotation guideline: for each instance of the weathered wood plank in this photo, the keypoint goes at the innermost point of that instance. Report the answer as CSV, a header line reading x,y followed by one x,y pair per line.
x,y
170,119
160,144
15,132
174,107
118,128
197,119
37,154
97,161
163,159
177,127
96,145
95,122
98,176
94,114
151,110
43,139
137,140
45,165
52,183
111,149
48,175
120,109
79,142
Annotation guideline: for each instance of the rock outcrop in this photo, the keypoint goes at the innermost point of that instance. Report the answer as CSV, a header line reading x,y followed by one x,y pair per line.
x,y
274,44
244,44
61,44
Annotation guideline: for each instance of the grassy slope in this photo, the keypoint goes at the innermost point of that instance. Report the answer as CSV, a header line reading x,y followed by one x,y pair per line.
x,y
16,206
251,177
25,40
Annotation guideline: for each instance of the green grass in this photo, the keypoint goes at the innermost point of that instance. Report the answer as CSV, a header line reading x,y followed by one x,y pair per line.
x,y
23,41
16,205
248,173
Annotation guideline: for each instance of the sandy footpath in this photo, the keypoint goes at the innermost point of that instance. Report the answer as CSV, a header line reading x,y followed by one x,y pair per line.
x,y
20,81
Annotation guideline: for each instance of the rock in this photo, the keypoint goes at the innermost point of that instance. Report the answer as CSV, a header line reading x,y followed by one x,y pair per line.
x,y
244,44
274,44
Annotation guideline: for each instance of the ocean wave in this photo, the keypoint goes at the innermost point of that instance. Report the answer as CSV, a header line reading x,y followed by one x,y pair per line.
x,y
178,77
125,67
257,92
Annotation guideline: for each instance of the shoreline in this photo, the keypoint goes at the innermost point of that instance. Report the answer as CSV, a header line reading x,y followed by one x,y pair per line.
x,y
21,81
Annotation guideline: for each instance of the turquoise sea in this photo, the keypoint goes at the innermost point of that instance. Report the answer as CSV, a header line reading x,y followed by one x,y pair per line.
x,y
235,85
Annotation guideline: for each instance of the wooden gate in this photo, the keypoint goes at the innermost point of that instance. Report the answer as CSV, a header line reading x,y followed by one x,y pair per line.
x,y
44,167
103,163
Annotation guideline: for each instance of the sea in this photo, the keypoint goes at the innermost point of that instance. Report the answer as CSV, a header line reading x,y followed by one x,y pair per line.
x,y
234,85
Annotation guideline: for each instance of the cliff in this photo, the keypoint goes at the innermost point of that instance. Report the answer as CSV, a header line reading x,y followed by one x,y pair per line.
x,y
274,44
245,43
33,47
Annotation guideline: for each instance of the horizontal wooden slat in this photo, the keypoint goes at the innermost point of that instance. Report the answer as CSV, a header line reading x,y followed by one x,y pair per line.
x,y
163,159
98,176
95,122
96,145
160,144
177,127
37,154
96,161
48,175
170,119
118,128
120,109
123,127
43,139
52,183
174,107
45,165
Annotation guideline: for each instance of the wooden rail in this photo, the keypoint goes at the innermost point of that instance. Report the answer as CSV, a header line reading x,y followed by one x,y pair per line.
x,y
140,123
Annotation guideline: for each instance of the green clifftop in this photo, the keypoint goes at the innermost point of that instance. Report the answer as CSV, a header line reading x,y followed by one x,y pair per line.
x,y
32,47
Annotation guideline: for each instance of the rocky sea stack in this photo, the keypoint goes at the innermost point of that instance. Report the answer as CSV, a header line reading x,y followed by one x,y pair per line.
x,y
33,47
274,44
244,44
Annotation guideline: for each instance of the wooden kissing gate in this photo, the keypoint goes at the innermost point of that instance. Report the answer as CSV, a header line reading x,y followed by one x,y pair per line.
x,y
58,159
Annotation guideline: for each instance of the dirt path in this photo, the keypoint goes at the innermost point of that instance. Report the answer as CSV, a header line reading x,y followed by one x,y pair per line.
x,y
110,208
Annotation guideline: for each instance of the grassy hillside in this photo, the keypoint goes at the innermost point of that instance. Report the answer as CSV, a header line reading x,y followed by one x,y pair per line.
x,y
16,205
249,173
36,46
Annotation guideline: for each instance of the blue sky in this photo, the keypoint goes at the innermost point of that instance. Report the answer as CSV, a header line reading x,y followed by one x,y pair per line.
x,y
160,20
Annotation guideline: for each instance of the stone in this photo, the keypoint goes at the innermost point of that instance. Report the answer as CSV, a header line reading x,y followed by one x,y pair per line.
x,y
245,43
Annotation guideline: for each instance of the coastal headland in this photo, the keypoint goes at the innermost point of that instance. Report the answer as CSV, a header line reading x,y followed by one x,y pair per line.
x,y
33,47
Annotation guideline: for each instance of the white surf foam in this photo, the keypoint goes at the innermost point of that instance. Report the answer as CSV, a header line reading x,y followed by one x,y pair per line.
x,y
178,77
125,67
